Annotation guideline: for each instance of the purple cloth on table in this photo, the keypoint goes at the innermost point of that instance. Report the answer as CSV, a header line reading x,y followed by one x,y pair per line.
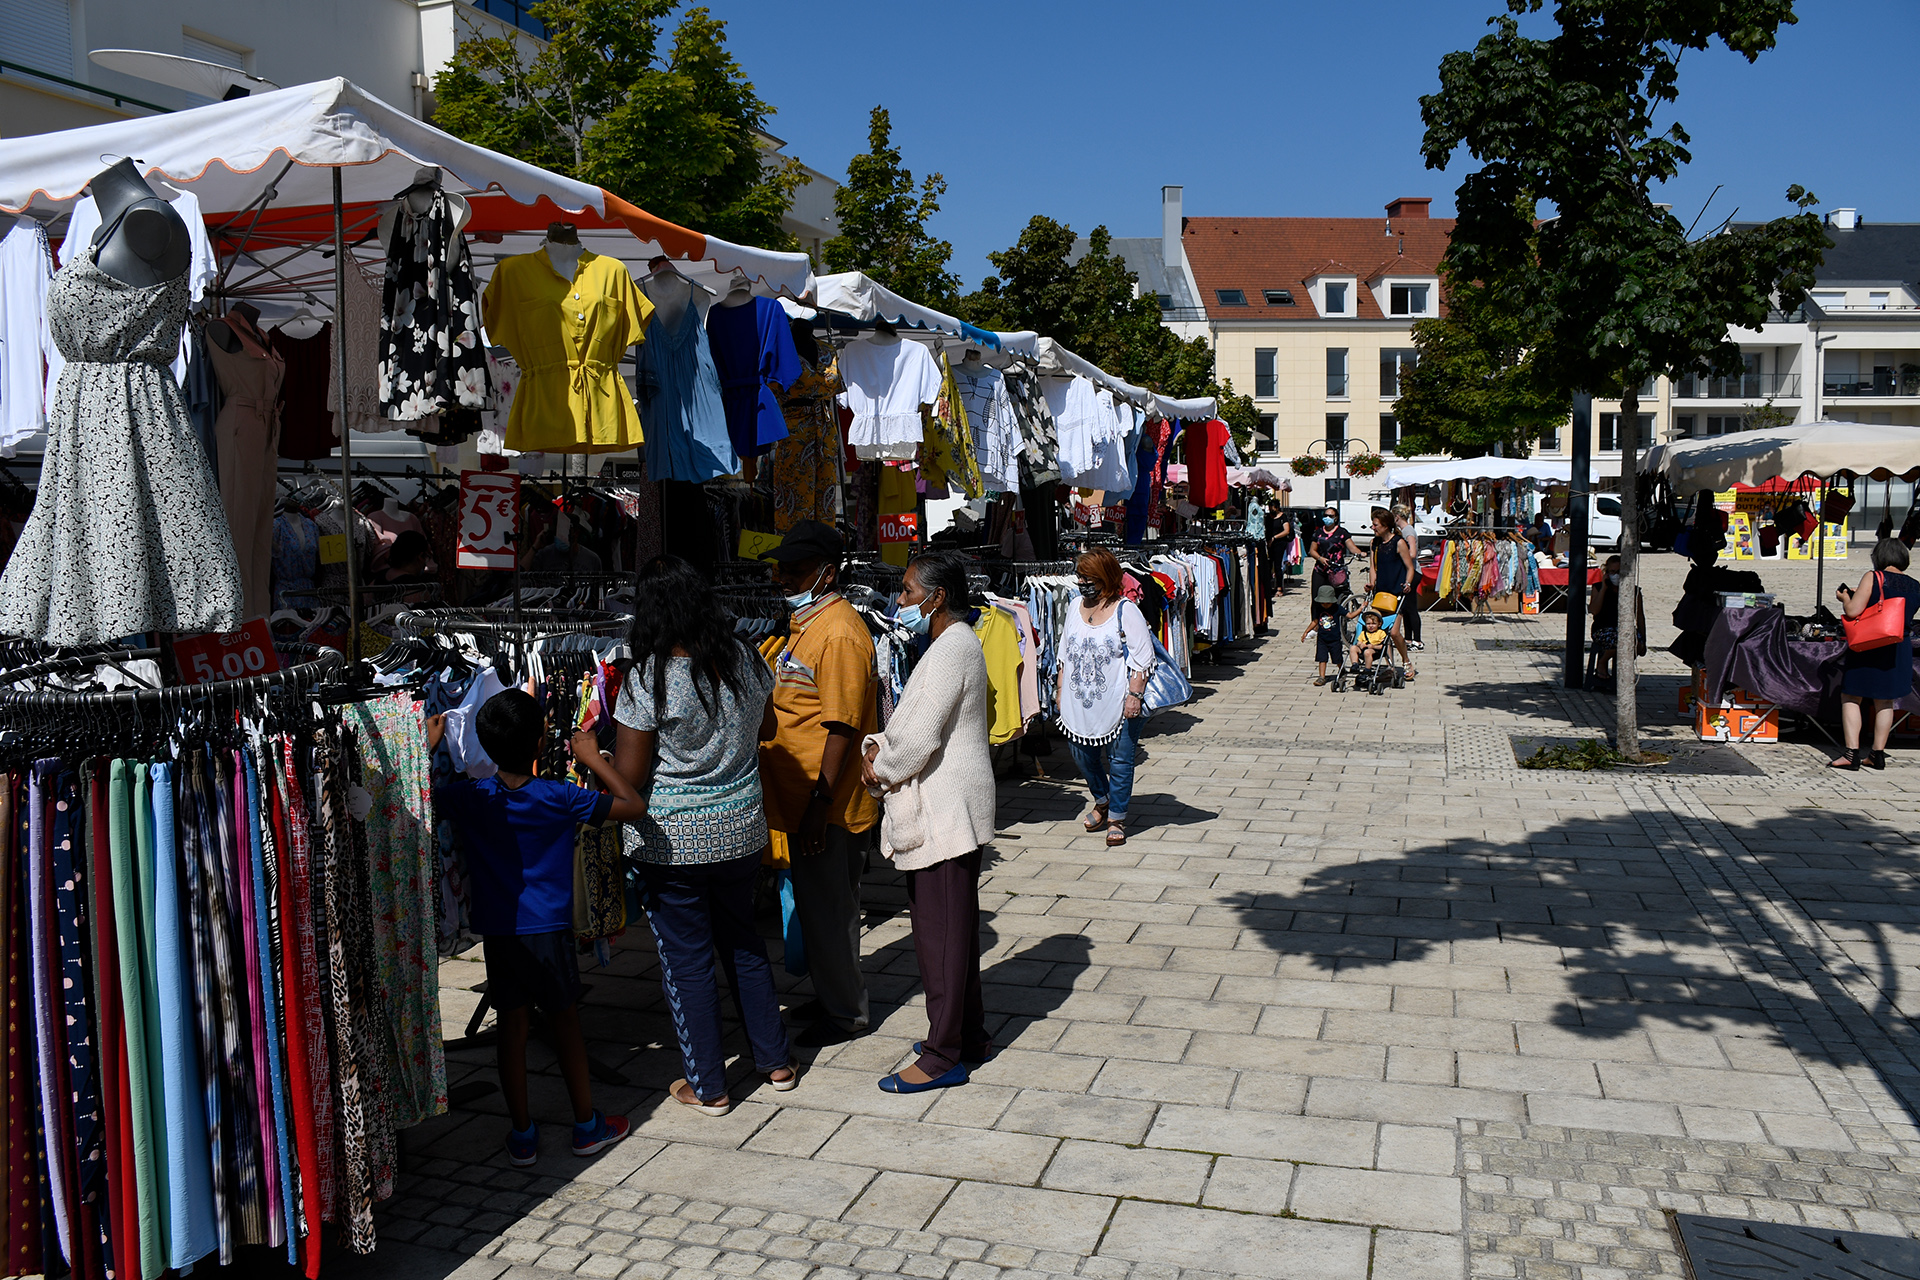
x,y
1750,648
752,345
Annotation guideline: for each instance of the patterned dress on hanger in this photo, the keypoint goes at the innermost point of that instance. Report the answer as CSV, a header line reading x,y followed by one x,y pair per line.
x,y
128,534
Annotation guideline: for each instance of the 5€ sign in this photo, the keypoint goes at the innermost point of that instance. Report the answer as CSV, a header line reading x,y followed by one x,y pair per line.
x,y
489,519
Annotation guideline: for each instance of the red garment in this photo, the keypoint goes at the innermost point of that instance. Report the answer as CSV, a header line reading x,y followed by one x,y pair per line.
x,y
1206,454
25,1135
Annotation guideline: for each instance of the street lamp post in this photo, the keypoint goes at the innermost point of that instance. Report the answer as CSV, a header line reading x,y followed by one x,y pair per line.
x,y
1336,451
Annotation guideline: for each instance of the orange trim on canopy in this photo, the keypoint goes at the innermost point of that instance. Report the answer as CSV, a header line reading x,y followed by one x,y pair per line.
x,y
676,240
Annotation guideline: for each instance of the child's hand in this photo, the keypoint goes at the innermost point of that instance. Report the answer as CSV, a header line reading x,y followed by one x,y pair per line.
x,y
436,730
586,746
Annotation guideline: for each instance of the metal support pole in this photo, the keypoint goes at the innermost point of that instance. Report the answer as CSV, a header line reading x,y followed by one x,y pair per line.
x,y
1580,446
346,432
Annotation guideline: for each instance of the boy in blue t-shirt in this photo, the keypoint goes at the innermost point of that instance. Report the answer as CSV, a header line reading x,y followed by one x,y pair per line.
x,y
518,832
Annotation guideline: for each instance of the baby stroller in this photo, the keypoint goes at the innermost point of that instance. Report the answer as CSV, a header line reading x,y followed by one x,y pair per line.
x,y
1383,672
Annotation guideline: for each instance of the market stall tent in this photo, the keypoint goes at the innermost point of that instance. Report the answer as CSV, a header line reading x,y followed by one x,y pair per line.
x,y
1538,470
1821,449
262,169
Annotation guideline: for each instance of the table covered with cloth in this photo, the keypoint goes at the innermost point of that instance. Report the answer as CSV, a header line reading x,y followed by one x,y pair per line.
x,y
1751,648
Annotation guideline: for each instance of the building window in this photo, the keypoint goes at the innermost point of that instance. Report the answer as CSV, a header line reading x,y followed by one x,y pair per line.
x,y
1878,300
1340,490
1231,297
1336,299
1683,426
1550,439
1266,382
1263,437
1394,365
1336,373
1336,432
1279,297
38,34
517,12
1829,299
1610,433
1724,424
1389,433
207,51
1165,300
1407,299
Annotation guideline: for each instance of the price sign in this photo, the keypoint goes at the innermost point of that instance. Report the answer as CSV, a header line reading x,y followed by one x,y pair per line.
x,y
1082,514
903,526
754,545
230,655
489,519
333,548
1114,515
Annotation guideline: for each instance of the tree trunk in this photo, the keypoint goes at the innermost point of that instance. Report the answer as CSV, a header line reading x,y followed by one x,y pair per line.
x,y
1626,664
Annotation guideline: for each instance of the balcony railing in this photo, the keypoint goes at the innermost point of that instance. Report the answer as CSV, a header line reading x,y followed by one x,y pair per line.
x,y
1741,386
1881,382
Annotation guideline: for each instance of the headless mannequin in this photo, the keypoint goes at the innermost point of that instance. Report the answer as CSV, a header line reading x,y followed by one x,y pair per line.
x,y
563,248
142,241
973,362
884,334
739,291
418,200
671,294
220,332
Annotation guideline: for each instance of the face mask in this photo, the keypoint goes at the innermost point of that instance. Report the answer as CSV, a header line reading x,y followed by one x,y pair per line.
x,y
1327,521
1613,578
913,620
1090,592
805,598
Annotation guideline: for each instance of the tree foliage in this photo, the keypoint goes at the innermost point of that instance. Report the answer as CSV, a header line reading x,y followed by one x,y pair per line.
x,y
678,135
1090,307
883,223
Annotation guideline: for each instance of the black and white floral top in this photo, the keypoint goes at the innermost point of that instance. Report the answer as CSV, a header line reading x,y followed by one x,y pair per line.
x,y
431,359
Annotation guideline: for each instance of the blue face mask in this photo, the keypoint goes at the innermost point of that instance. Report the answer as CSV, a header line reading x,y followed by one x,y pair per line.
x,y
913,619
805,598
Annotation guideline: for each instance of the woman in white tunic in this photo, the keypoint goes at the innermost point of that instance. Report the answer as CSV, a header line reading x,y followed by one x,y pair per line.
x,y
1106,655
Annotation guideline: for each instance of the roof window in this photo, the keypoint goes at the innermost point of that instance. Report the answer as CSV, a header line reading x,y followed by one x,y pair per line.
x,y
1279,297
1231,297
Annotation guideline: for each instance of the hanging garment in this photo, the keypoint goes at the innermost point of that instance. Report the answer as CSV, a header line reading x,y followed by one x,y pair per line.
x,y
1205,444
201,388
203,265
26,272
680,401
1040,445
128,534
24,1138
999,639
896,496
996,436
888,379
350,1102
307,427
1080,422
804,471
360,331
568,336
431,360
754,353
247,436
296,561
946,455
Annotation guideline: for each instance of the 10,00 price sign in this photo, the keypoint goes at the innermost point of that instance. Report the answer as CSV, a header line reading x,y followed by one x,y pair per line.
x,y
228,655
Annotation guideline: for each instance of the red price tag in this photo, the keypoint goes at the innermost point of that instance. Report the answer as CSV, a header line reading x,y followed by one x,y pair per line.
x,y
489,519
230,655
1082,514
903,526
1114,515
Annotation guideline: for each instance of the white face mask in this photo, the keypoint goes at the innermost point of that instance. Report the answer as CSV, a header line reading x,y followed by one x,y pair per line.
x,y
805,598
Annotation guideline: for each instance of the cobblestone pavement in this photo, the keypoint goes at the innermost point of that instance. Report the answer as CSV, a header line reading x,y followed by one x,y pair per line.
x,y
1360,999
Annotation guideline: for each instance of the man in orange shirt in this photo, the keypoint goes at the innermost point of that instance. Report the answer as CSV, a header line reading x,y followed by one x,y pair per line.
x,y
824,702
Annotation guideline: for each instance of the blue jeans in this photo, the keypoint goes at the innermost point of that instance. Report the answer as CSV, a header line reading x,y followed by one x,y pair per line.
x,y
1109,769
694,911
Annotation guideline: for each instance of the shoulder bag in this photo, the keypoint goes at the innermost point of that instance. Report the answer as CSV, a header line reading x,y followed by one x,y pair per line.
x,y
1880,624
1166,685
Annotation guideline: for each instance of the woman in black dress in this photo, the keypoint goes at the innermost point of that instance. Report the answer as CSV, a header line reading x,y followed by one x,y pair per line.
x,y
1881,676
1327,545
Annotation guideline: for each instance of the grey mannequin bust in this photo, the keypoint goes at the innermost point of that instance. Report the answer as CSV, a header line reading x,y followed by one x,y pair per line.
x,y
142,241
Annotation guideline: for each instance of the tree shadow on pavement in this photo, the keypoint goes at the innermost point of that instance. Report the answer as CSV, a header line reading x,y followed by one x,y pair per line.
x,y
1659,920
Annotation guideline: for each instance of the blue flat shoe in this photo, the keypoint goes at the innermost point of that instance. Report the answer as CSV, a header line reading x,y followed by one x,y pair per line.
x,y
894,1084
920,1047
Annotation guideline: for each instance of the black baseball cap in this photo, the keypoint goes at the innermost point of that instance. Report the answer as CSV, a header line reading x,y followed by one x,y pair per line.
x,y
808,540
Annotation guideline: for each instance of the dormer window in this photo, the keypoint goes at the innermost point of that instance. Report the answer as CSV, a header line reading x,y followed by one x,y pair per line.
x,y
1279,297
1408,299
1336,296
1231,297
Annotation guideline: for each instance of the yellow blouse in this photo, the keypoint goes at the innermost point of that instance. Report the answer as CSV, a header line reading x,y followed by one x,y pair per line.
x,y
568,338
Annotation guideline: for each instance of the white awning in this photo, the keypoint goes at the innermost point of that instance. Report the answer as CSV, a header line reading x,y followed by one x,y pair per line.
x,y
1539,470
1821,449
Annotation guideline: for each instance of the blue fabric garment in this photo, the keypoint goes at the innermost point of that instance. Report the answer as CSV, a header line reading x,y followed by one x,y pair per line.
x,y
752,346
201,390
519,844
296,561
1140,501
686,426
69,865
269,977
1109,769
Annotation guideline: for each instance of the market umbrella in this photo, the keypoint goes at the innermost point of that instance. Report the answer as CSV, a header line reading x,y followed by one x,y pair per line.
x,y
1823,449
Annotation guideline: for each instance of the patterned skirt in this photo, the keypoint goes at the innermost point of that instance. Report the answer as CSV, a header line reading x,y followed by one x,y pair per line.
x,y
687,824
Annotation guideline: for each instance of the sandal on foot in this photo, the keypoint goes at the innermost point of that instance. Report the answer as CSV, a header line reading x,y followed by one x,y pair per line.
x,y
1849,760
792,1081
718,1107
1098,821
1878,760
1116,836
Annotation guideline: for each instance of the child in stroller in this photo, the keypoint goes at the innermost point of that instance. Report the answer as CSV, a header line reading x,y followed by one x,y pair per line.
x,y
1370,657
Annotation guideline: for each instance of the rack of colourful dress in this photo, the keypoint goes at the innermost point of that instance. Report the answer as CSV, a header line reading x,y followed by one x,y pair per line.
x,y
510,634
230,998
1475,567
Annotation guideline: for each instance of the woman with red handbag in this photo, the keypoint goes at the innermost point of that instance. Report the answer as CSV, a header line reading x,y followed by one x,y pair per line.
x,y
1879,666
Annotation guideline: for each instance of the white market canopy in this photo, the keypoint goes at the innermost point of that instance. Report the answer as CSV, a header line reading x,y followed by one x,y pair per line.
x,y
1822,449
1538,470
287,144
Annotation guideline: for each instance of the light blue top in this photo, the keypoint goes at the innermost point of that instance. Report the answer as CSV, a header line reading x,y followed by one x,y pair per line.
x,y
680,406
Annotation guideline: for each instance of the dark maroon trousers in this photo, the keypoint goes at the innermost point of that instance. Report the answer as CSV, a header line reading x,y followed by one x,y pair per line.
x,y
945,902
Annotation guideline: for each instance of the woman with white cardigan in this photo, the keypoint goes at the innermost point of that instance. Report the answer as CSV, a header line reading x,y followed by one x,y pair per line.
x,y
932,767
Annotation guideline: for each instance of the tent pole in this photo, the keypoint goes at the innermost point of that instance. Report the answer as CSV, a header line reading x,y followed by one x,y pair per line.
x,y
340,423
1820,557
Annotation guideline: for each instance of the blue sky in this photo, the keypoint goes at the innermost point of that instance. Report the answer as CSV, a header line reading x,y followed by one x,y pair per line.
x,y
1081,110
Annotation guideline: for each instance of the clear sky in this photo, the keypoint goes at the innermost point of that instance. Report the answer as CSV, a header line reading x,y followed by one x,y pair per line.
x,y
1082,109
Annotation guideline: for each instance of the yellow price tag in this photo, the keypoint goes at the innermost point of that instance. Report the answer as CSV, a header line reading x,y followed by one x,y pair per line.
x,y
754,545
333,548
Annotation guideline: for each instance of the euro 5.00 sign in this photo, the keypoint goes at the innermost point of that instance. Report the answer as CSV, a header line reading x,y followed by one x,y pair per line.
x,y
229,655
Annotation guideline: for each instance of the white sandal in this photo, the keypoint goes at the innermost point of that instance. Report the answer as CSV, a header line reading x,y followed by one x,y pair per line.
x,y
792,1081
692,1099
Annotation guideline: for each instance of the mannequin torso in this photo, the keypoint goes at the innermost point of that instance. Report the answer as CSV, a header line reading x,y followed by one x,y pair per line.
x,y
225,332
142,241
671,294
564,257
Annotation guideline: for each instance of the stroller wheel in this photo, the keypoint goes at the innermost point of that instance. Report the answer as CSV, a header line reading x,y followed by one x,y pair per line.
x,y
1400,679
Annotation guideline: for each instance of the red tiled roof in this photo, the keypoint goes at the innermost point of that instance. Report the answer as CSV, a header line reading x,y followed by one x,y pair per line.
x,y
1253,254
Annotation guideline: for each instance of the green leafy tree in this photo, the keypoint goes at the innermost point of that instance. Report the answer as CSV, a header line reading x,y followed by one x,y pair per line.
x,y
1088,306
1612,285
679,135
1475,385
883,223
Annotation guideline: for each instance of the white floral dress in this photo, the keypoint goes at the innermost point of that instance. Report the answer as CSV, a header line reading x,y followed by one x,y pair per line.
x,y
431,359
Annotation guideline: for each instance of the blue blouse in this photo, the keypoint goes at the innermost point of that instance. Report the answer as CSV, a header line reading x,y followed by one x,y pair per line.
x,y
680,408
753,346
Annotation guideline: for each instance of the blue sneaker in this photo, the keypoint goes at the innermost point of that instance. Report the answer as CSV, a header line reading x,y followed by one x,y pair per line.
x,y
597,1134
523,1146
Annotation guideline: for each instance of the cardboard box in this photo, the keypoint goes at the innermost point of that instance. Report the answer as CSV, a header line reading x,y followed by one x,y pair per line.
x,y
1529,602
1685,702
1736,724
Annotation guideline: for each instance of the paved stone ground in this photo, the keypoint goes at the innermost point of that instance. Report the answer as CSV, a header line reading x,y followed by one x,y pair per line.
x,y
1361,1000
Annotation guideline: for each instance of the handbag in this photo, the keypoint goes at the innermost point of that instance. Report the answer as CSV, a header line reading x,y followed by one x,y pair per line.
x,y
1166,685
1879,624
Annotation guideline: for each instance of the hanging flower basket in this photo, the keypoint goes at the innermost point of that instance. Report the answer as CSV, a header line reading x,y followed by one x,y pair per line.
x,y
1365,464
1309,464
